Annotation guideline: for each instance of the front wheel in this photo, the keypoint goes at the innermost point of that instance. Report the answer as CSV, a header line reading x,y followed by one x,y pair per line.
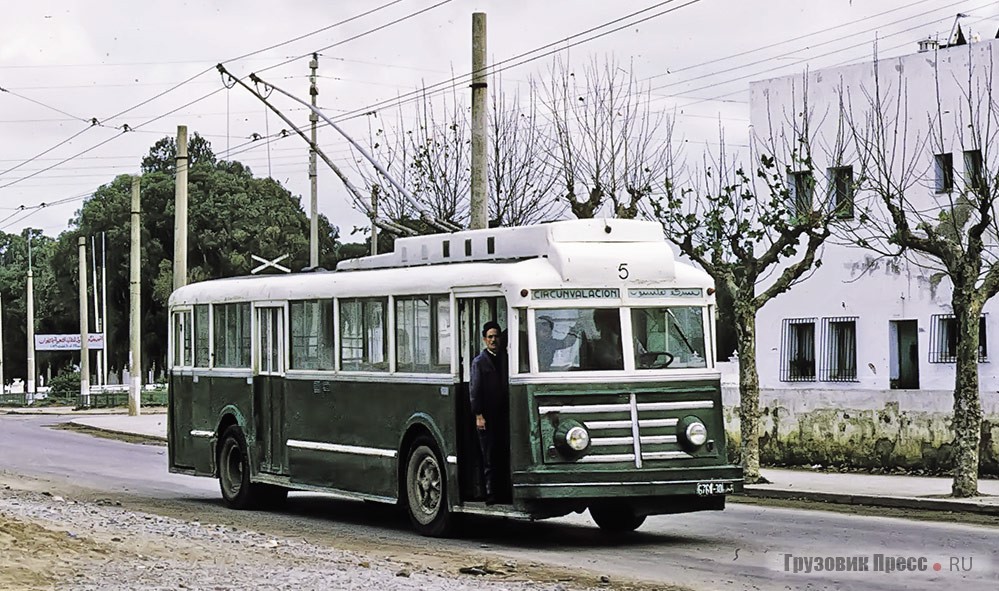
x,y
426,491
616,517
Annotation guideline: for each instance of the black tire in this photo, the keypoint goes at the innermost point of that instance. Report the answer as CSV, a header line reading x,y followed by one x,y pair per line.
x,y
234,476
426,491
616,517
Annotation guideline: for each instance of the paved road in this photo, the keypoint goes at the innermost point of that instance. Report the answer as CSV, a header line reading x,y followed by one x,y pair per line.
x,y
740,548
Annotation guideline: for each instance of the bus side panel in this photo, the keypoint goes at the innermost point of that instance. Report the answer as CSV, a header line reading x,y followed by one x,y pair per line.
x,y
364,421
183,448
204,421
236,393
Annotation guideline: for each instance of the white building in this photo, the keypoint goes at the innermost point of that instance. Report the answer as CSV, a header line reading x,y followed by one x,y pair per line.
x,y
856,363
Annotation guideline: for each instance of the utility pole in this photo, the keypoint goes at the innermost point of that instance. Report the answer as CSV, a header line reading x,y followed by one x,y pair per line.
x,y
180,217
134,311
84,326
374,218
480,197
313,173
97,302
104,308
31,322
2,383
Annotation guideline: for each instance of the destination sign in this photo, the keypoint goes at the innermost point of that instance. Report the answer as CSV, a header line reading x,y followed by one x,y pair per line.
x,y
665,292
576,294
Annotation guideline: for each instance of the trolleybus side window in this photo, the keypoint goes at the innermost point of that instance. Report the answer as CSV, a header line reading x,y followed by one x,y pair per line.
x,y
423,334
182,335
232,335
201,335
364,334
312,329
669,337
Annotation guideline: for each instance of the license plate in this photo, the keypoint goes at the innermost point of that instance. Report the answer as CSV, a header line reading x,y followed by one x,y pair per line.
x,y
707,489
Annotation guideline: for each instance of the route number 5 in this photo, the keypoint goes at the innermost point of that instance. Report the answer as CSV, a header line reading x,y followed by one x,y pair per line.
x,y
622,270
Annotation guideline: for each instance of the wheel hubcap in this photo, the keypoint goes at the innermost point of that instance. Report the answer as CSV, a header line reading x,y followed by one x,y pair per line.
x,y
233,470
428,485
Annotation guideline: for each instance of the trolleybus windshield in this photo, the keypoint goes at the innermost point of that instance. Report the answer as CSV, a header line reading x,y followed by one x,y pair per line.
x,y
589,339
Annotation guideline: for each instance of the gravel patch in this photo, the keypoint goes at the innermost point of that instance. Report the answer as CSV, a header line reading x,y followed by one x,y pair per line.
x,y
51,542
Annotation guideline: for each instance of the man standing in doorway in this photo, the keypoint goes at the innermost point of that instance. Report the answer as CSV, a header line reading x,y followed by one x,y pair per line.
x,y
488,397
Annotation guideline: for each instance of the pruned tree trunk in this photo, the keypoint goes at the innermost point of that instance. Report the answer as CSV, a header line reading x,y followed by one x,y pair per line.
x,y
967,403
749,394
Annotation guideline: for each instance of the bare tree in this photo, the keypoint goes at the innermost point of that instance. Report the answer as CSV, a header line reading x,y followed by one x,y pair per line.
x,y
918,210
521,186
606,143
757,234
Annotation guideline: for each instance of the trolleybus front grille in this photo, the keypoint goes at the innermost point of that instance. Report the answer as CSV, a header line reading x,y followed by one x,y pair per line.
x,y
629,427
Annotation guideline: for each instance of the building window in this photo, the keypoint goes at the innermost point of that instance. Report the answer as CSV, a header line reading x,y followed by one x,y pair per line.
x,y
839,350
802,185
797,362
944,335
944,165
973,169
841,191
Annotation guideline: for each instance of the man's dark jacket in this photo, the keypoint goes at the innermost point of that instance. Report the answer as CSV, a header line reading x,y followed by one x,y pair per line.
x,y
487,391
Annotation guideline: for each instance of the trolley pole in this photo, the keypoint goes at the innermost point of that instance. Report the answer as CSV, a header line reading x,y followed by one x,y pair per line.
x,y
313,174
84,326
134,310
180,217
480,198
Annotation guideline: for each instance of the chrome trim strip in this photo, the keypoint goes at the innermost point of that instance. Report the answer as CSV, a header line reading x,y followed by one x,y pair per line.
x,y
584,408
607,458
451,459
339,448
593,425
666,455
495,510
611,441
685,405
202,433
635,431
333,492
647,483
623,407
654,439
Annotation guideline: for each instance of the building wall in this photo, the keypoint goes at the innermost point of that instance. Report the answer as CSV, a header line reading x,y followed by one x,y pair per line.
x,y
865,422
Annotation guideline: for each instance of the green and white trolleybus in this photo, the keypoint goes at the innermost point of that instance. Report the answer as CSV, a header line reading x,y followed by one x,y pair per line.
x,y
355,382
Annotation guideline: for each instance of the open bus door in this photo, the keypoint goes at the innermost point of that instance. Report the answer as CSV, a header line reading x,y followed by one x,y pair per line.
x,y
473,313
268,389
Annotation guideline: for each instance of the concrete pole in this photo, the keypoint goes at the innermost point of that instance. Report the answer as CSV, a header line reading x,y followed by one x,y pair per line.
x,y
104,308
31,324
180,208
374,217
2,390
97,303
134,311
313,175
480,196
84,326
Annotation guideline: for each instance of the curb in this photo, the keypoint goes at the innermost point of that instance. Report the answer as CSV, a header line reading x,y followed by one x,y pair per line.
x,y
955,505
79,423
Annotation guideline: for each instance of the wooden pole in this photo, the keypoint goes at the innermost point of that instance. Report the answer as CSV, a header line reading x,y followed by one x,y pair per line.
x,y
134,310
480,197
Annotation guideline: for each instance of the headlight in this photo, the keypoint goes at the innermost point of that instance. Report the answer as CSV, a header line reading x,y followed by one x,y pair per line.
x,y
571,439
696,433
577,438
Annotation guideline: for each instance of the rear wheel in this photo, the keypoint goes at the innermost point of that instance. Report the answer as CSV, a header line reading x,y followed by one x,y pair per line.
x,y
426,491
616,517
234,476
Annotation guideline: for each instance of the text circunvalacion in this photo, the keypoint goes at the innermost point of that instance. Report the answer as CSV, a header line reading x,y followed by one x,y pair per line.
x,y
576,294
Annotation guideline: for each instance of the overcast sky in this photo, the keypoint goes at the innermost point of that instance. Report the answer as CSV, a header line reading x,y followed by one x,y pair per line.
x,y
65,63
